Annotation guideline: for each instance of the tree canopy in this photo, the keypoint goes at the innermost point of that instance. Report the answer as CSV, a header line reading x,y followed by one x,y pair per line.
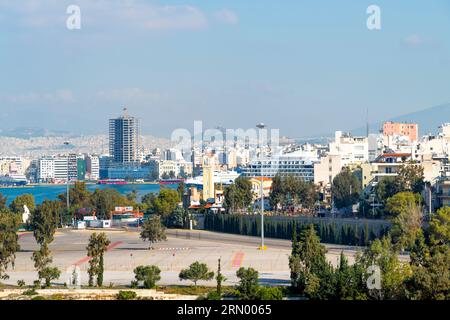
x,y
346,189
17,204
153,230
9,241
196,271
238,196
289,191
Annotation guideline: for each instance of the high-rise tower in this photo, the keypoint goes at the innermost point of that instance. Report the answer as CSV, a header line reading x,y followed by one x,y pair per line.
x,y
124,138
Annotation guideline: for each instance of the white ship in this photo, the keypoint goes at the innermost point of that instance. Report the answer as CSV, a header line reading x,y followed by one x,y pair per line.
x,y
13,179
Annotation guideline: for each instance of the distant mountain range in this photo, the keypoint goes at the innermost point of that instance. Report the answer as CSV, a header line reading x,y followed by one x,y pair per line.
x,y
27,133
429,120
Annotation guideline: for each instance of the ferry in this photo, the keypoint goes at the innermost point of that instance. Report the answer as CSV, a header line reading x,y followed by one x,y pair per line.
x,y
171,181
13,180
112,181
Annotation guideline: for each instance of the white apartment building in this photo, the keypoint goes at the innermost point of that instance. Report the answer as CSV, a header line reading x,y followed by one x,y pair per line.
x,y
93,166
46,169
353,150
60,165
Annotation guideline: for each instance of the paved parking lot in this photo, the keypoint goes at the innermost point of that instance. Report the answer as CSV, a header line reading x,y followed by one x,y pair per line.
x,y
181,249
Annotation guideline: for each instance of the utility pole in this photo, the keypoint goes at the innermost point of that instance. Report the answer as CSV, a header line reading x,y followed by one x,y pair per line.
x,y
261,126
430,201
67,186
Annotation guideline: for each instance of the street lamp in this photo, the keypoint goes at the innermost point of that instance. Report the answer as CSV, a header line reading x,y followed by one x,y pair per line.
x,y
66,143
260,127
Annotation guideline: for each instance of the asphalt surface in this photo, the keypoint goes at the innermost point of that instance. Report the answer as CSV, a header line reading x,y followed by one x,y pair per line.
x,y
182,248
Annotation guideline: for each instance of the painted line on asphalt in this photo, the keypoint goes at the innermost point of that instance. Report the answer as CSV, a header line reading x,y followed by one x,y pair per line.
x,y
237,260
87,258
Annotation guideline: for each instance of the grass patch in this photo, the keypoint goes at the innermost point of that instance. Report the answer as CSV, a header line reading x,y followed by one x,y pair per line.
x,y
126,295
191,290
30,292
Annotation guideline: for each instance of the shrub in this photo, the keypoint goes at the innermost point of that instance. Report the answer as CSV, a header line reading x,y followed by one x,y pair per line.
x,y
148,274
270,293
20,283
134,284
30,292
213,295
126,295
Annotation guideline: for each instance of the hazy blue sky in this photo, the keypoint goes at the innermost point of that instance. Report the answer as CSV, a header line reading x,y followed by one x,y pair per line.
x,y
306,67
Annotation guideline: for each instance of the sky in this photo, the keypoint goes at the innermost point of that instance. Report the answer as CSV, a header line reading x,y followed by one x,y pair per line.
x,y
306,67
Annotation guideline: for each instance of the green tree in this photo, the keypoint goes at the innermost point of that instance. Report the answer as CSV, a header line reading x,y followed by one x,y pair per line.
x,y
180,189
196,271
345,189
439,228
248,287
289,190
3,201
386,188
104,201
270,293
165,203
349,280
430,260
406,216
17,204
238,195
44,222
153,230
430,263
177,219
49,274
219,278
149,275
97,246
79,196
311,274
411,178
132,196
9,241
276,192
383,254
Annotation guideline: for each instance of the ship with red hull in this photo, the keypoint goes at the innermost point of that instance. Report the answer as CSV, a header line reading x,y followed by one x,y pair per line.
x,y
113,181
171,181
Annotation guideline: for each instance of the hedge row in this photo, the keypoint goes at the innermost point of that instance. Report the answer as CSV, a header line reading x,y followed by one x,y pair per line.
x,y
335,231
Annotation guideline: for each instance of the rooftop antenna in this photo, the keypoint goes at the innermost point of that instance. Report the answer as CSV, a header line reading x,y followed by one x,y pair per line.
x,y
125,112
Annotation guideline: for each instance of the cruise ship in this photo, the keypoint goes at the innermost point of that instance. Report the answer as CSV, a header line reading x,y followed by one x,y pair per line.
x,y
13,179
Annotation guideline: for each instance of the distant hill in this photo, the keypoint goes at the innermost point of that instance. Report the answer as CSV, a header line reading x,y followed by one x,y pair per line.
x,y
28,132
429,120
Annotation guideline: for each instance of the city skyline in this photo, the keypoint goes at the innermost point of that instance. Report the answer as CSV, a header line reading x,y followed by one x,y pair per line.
x,y
226,63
